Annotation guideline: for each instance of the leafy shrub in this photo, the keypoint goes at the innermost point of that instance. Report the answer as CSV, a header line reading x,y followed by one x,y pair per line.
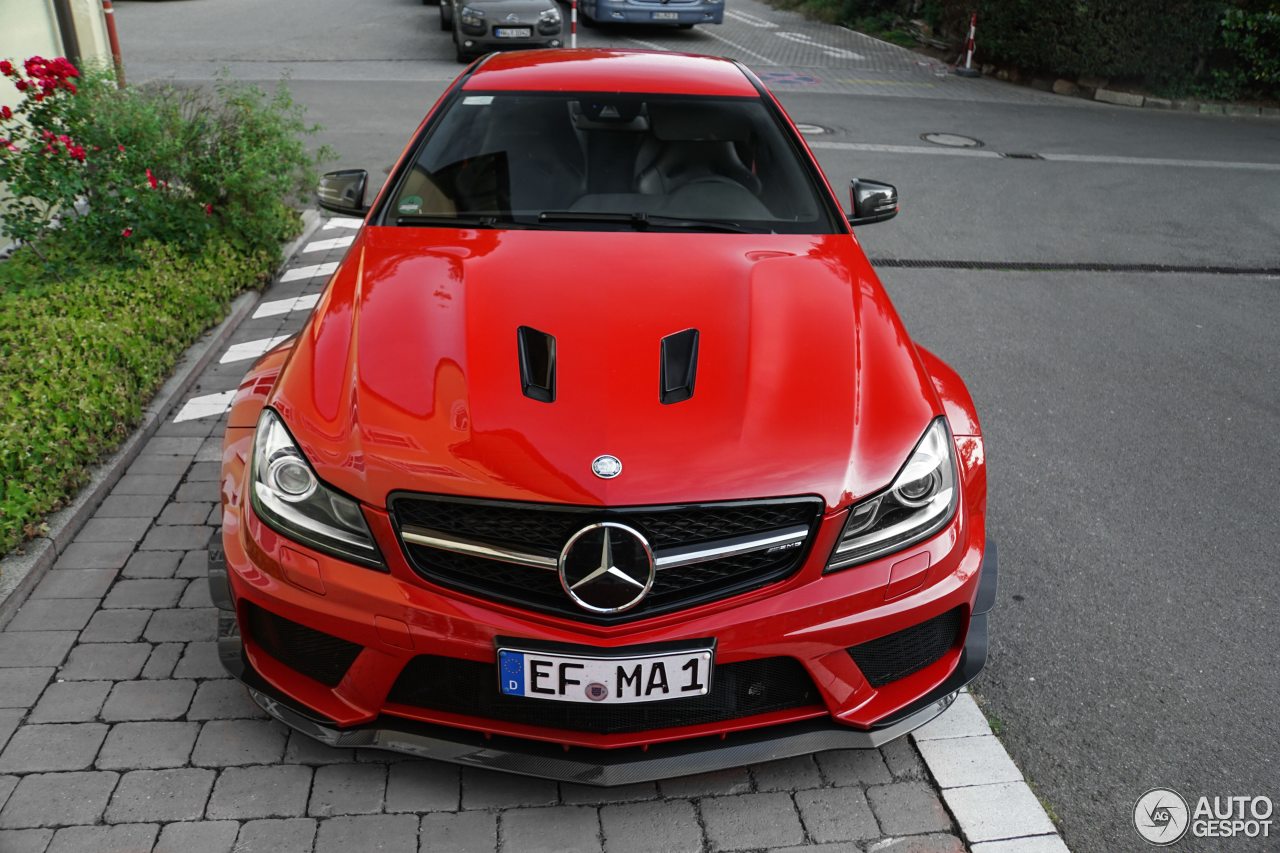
x,y
182,166
1253,39
79,361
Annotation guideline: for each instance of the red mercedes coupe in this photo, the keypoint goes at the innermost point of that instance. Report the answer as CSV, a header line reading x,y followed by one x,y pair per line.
x,y
604,456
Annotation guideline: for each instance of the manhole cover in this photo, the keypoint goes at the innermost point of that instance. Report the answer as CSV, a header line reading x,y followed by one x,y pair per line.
x,y
951,140
812,129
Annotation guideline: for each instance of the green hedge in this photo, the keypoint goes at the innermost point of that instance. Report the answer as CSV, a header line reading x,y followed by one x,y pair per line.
x,y
80,361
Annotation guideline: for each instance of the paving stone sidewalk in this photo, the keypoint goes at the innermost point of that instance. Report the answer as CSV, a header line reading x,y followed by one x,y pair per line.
x,y
120,731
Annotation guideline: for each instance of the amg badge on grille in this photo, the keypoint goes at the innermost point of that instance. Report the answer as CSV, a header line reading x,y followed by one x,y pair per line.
x,y
606,467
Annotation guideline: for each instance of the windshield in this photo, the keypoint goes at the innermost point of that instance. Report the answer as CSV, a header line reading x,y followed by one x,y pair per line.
x,y
603,161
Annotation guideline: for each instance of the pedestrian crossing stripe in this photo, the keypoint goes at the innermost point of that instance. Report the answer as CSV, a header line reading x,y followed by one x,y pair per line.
x,y
205,406
249,349
314,271
326,245
276,307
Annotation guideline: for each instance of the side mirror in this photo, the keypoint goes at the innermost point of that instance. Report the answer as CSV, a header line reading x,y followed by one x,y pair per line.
x,y
872,201
343,191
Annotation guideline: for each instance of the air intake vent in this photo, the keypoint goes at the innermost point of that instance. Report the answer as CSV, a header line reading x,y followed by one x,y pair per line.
x,y
909,650
537,364
679,366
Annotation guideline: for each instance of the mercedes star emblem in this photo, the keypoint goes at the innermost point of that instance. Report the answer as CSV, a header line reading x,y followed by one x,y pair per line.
x,y
606,467
606,567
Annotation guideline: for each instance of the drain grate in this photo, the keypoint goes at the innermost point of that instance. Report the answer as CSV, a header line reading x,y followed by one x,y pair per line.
x,y
1012,155
1071,266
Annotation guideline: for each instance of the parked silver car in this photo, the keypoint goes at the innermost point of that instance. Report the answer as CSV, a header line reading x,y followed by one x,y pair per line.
x,y
480,26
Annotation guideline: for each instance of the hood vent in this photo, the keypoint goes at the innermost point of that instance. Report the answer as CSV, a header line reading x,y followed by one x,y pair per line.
x,y
679,366
537,364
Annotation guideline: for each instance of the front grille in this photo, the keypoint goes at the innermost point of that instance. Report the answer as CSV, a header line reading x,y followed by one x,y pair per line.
x,y
738,690
313,653
544,529
911,650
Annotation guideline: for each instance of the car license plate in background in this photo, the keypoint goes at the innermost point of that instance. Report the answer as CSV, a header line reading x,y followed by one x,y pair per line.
x,y
666,16
512,32
618,680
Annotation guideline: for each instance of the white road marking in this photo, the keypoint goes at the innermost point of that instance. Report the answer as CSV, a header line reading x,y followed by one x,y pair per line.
x,y
249,349
1160,161
750,20
810,41
314,271
760,56
326,245
342,222
1100,159
276,307
648,45
204,406
905,149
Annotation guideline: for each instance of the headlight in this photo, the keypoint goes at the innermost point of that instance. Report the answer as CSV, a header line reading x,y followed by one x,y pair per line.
x,y
550,16
921,500
289,499
472,17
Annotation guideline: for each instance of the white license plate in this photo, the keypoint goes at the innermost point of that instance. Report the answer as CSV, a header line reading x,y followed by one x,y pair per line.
x,y
666,16
617,680
512,32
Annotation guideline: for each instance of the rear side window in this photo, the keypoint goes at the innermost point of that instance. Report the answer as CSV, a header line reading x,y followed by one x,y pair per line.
x,y
572,161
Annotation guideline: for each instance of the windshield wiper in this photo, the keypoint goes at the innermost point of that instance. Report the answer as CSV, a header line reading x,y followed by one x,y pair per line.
x,y
641,221
464,221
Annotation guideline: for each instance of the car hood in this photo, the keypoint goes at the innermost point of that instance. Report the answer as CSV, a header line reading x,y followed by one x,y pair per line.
x,y
407,375
526,10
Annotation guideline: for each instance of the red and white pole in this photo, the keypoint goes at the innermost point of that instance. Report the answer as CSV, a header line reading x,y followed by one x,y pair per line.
x,y
968,70
573,23
109,15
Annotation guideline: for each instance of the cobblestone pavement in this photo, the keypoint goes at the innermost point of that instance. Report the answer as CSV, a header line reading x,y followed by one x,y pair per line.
x,y
120,731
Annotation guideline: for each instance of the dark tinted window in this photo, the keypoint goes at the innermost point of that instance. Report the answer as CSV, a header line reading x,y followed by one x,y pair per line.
x,y
575,160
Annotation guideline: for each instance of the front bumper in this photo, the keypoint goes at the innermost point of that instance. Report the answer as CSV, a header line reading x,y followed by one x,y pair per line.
x,y
606,766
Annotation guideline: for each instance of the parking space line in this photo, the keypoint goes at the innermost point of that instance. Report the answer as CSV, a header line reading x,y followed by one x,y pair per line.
x,y
750,20
810,41
326,245
341,222
766,60
204,406
314,271
249,349
276,307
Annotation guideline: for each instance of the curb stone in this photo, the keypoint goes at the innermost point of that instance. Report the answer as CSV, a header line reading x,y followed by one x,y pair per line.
x,y
959,745
19,573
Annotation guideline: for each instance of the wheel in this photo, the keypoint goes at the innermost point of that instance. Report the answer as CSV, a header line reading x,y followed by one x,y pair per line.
x,y
460,54
588,22
446,18
685,26
430,2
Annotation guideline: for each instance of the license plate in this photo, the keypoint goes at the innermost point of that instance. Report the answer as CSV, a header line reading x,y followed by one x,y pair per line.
x,y
616,680
666,16
512,32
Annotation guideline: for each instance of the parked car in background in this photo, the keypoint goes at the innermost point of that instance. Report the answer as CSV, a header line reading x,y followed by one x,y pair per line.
x,y
604,455
481,26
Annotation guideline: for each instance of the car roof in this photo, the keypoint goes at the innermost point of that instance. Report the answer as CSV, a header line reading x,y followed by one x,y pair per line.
x,y
603,70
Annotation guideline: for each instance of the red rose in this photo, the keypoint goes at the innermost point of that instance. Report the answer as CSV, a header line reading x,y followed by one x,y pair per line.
x,y
128,232
6,113
22,85
208,210
120,148
151,179
6,67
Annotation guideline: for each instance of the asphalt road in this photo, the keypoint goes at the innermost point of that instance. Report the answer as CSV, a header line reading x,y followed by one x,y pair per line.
x,y
1130,415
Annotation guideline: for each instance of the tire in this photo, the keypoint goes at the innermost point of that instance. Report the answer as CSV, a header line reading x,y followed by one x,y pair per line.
x,y
430,2
459,54
684,26
588,22
446,21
